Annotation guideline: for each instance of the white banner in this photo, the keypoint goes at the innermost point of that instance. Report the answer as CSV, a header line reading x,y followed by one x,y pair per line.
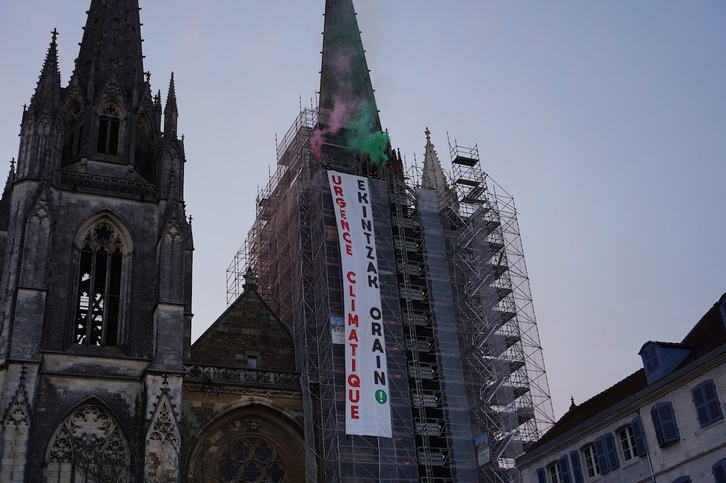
x,y
367,404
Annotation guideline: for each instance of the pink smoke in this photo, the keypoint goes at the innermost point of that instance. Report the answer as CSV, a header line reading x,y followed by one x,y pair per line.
x,y
342,106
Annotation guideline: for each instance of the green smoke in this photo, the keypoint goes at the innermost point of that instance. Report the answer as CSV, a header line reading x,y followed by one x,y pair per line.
x,y
362,138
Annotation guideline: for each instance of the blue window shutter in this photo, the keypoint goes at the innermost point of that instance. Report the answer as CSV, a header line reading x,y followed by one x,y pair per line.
x,y
564,469
576,467
541,478
719,471
611,451
640,444
699,400
708,407
656,425
664,421
602,457
712,402
668,423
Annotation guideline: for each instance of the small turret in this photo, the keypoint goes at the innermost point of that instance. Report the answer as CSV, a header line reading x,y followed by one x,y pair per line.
x,y
47,97
41,133
171,112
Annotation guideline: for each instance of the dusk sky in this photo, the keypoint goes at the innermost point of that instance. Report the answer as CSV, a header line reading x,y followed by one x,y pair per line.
x,y
605,120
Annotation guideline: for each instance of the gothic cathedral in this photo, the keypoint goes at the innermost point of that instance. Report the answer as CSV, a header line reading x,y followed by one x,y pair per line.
x,y
98,377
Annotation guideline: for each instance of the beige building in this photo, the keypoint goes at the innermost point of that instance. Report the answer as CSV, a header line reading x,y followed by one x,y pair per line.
x,y
663,423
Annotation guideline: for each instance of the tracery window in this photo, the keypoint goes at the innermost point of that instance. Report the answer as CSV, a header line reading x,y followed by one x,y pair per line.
x,y
251,459
99,286
88,446
109,129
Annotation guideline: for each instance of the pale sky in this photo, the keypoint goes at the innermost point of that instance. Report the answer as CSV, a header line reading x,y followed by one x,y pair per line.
x,y
605,120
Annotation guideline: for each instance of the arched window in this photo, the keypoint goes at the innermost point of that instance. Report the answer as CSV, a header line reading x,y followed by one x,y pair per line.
x,y
249,444
109,129
99,286
88,446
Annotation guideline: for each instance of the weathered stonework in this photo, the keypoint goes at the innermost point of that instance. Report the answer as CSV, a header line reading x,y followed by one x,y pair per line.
x,y
247,329
98,377
229,406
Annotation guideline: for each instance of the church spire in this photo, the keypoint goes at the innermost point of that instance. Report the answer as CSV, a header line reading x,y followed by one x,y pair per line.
x,y
345,82
111,46
347,105
433,174
47,95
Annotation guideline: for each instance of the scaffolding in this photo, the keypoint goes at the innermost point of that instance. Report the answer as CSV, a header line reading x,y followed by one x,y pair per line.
x,y
495,316
468,388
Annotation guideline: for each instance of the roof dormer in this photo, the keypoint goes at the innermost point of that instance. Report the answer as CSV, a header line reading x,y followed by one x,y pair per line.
x,y
661,359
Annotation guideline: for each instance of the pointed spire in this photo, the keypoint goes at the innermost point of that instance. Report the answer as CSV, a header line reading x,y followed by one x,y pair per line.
x,y
111,43
345,82
48,92
433,175
171,113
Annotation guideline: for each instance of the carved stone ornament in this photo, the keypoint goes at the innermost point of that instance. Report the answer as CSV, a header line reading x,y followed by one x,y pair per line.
x,y
164,427
252,425
17,412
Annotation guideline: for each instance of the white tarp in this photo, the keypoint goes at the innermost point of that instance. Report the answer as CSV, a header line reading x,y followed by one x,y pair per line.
x,y
367,404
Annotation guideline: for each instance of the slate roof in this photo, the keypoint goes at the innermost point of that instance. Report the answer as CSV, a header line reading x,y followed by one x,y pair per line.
x,y
706,336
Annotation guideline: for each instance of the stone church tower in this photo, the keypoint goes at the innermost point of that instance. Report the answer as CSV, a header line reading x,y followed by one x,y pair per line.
x,y
99,381
96,269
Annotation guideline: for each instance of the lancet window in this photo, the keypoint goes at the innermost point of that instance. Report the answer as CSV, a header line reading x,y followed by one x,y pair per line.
x,y
109,130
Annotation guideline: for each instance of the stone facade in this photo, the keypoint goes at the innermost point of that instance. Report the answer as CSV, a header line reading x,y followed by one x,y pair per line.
x,y
98,378
242,397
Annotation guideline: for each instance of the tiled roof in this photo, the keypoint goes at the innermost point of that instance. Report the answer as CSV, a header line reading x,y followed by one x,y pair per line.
x,y
707,335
